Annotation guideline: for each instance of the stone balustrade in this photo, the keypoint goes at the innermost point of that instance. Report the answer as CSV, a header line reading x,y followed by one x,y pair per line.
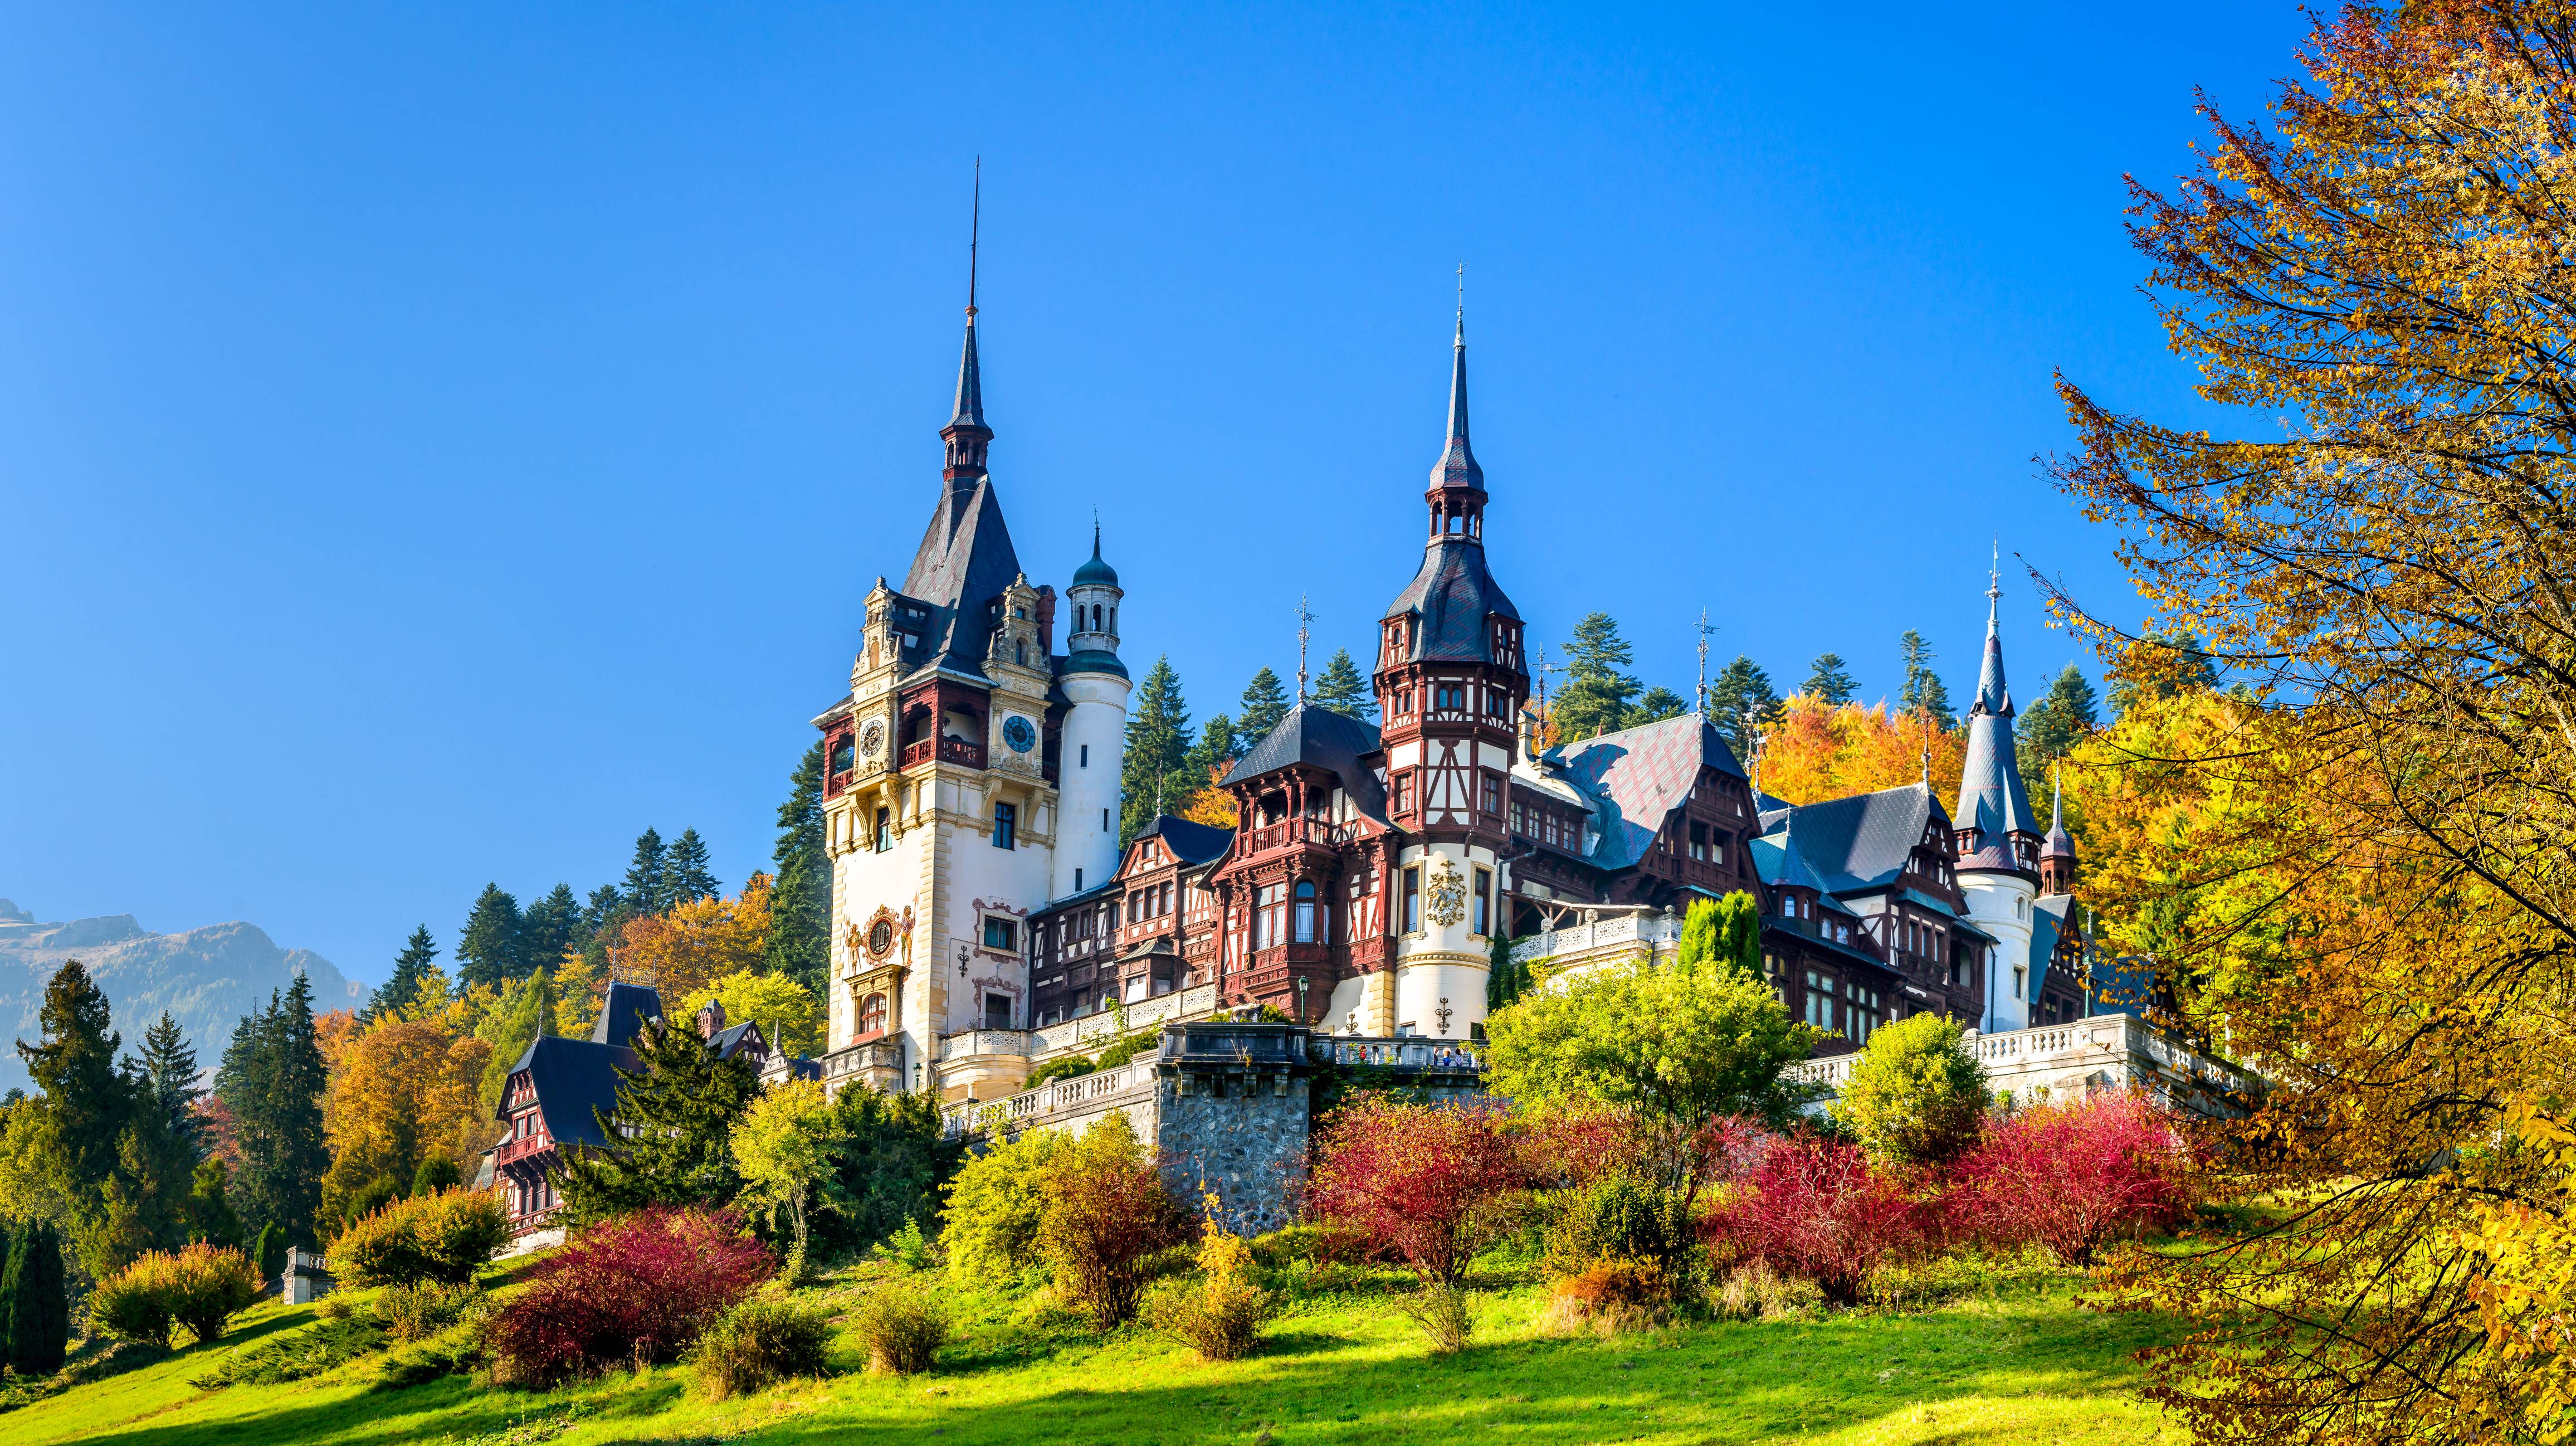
x,y
1614,935
1195,1002
1056,1102
2108,1051
968,1044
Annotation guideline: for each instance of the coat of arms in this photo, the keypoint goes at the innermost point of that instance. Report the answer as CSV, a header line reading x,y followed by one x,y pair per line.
x,y
1448,892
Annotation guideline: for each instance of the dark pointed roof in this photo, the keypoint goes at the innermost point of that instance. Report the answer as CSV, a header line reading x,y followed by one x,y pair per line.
x,y
1191,843
575,1082
2060,844
970,380
1991,798
1643,774
1457,465
1316,735
624,1012
1456,597
1862,841
964,562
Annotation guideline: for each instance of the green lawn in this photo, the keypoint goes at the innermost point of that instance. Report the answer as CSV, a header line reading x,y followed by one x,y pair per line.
x,y
2013,1359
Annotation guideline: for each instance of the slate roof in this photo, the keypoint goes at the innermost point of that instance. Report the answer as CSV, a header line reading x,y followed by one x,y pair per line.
x,y
1991,798
964,561
1642,774
576,1081
1316,735
1095,573
624,1011
1862,841
729,1042
1191,843
1455,597
1457,465
2048,920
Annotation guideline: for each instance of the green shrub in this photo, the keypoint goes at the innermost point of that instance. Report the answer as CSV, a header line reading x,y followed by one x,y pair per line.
x,y
1305,1245
1072,1066
994,1206
764,1339
134,1304
1127,1049
436,1173
446,1237
1222,1317
422,1309
1441,1310
270,1256
209,1285
1916,1097
1620,1217
907,1248
297,1355
901,1328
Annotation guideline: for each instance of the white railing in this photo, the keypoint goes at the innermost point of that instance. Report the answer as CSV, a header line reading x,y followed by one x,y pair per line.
x,y
1181,1004
1082,1094
1406,1053
2103,1039
1625,932
973,1042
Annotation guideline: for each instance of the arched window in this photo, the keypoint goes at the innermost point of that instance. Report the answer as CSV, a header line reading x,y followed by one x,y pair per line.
x,y
1306,911
872,1014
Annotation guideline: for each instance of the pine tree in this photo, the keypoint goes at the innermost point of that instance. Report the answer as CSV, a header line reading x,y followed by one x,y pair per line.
x,y
551,926
39,1307
1341,688
1828,681
272,1080
1654,706
1158,750
606,906
689,877
411,966
524,1012
1597,690
2166,664
800,905
1217,748
678,1111
85,1099
488,951
210,1210
1923,692
167,1137
1265,702
170,1067
2050,728
648,885
1742,687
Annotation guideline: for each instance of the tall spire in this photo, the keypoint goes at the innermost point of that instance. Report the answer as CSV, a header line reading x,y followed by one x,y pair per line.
x,y
966,434
1457,467
1994,815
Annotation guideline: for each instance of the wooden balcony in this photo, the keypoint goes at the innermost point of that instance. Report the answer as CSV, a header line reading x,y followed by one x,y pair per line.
x,y
946,750
1296,831
521,1148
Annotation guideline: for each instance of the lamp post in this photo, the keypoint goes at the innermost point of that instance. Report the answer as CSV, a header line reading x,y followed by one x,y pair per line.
x,y
1302,983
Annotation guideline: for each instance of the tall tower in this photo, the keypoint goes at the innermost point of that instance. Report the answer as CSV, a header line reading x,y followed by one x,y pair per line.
x,y
1093,751
1997,838
1450,682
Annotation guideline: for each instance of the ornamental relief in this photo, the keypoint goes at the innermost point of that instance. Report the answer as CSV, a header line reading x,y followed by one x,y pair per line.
x,y
1446,903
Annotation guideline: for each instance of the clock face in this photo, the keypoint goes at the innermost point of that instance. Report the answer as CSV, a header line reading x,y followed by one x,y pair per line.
x,y
872,738
1020,735
881,938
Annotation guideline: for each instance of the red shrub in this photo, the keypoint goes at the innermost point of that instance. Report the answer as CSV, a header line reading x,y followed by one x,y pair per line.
x,y
1430,1184
1812,1208
633,1290
1580,1148
2070,1177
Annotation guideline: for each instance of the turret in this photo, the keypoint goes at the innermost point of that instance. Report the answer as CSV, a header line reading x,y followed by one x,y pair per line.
x,y
1093,746
2057,852
1997,838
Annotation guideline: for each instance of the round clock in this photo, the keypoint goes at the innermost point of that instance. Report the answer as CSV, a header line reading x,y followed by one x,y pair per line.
x,y
1020,735
881,938
872,737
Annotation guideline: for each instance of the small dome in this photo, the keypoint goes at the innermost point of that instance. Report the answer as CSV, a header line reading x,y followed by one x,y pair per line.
x,y
1095,573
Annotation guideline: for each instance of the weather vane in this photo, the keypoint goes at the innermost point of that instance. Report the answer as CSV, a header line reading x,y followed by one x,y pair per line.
x,y
1303,617
1704,630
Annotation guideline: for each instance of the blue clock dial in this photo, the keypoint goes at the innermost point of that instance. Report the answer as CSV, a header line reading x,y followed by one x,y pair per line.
x,y
1019,735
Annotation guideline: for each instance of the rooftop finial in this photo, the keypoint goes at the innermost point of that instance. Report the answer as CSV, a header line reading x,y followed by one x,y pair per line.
x,y
1462,305
1303,617
1700,703
1457,465
966,432
974,237
1994,580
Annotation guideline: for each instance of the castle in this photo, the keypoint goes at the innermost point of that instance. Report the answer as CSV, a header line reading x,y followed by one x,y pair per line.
x,y
986,915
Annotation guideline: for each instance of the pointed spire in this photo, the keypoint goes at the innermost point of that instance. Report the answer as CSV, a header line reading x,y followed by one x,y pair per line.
x,y
1457,466
966,434
1992,696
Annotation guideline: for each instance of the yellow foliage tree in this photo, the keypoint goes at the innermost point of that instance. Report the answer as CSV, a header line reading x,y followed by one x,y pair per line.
x,y
1819,750
785,1010
698,942
578,990
401,1090
1211,804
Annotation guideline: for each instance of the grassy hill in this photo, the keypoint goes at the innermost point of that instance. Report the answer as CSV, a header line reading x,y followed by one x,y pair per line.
x,y
1998,1356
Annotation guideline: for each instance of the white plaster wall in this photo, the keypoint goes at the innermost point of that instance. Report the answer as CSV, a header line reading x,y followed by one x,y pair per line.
x,y
1446,960
1999,903
1097,720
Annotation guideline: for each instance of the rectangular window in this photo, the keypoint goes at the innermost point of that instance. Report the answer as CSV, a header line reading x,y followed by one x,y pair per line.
x,y
1086,757
1104,820
997,1011
1484,899
1404,793
1077,881
1699,841
1002,934
885,831
1412,900
1493,796
1006,826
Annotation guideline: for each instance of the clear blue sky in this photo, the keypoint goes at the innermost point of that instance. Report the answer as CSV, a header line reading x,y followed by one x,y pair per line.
x,y
437,442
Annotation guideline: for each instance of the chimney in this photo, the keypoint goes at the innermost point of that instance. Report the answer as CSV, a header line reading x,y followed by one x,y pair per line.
x,y
1046,619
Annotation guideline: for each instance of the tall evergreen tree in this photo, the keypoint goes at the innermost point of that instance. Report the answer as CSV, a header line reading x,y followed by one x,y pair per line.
x,y
648,883
1742,687
38,1304
606,905
1341,688
525,1011
170,1068
1598,690
1923,691
1654,706
2048,729
690,877
488,951
168,1136
551,926
211,1216
411,966
1828,681
1265,702
272,1080
678,1111
1158,750
800,905
84,1098
1217,747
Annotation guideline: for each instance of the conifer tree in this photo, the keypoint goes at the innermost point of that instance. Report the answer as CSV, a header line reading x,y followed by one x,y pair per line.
x,y
2050,728
1158,750
800,904
1265,702
524,1012
1742,687
1923,692
272,1080
210,1210
488,952
1828,681
1654,706
270,1255
690,879
84,1099
39,1307
648,885
401,987
170,1068
678,1111
1598,690
604,907
1341,688
551,926
1218,747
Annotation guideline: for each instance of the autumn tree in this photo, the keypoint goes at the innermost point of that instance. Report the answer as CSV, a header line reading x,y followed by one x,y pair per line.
x,y
699,941
2371,880
403,1090
787,1147
788,1014
1817,751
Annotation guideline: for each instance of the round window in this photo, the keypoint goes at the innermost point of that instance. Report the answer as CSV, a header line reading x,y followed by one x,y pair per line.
x,y
881,937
